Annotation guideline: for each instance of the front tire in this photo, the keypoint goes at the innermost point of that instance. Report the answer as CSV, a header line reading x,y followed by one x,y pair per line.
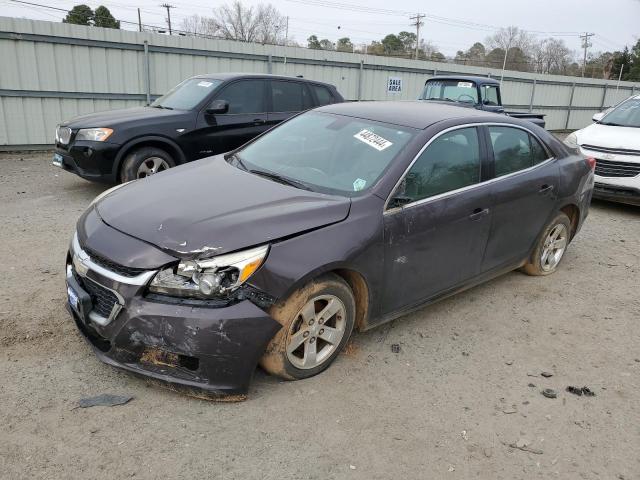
x,y
144,162
550,248
317,321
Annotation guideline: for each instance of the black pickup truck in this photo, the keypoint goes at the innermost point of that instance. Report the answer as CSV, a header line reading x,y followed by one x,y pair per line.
x,y
481,93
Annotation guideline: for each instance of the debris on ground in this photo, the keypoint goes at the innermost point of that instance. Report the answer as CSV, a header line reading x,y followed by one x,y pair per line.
x,y
550,393
104,400
546,374
509,362
586,391
395,348
509,410
352,467
464,435
523,445
532,385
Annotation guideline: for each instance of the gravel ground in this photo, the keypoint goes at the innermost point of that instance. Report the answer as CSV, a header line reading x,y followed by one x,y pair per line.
x,y
464,387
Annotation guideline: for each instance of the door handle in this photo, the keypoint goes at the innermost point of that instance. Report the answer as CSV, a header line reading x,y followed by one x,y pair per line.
x,y
545,189
259,121
478,213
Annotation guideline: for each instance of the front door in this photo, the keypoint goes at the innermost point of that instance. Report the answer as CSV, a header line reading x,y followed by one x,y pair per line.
x,y
245,119
436,240
524,194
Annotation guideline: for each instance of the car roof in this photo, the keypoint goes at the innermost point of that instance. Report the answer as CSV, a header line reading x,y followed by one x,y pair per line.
x,y
467,78
233,76
413,114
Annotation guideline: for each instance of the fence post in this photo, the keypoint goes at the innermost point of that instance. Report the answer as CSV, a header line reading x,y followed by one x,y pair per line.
x,y
147,71
573,90
633,90
270,64
360,75
533,93
604,96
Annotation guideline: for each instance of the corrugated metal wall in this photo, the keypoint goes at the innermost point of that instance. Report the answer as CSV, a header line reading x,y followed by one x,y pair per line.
x,y
50,72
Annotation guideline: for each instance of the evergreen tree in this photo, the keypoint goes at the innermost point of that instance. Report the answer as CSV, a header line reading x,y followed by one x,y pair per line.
x,y
79,15
103,18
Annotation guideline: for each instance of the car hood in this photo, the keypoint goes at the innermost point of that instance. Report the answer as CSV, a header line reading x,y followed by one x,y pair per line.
x,y
208,207
607,136
119,117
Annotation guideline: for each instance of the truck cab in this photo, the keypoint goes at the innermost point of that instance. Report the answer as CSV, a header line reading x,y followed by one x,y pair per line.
x,y
481,93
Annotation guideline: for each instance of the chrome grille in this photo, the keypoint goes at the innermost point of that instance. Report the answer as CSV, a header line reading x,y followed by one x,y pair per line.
x,y
608,168
114,267
63,135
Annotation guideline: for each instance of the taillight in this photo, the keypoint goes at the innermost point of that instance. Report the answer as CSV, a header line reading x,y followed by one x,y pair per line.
x,y
591,162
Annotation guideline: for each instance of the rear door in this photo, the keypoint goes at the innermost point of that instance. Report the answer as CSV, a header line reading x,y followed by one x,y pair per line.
x,y
287,97
437,239
524,193
245,119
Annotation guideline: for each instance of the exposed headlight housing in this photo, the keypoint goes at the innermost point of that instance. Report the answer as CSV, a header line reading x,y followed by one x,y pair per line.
x,y
210,278
63,135
571,141
94,134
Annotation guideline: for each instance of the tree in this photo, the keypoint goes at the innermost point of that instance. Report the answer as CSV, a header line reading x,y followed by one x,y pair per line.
x,y
79,15
262,24
326,44
392,44
102,18
344,45
408,40
198,25
314,43
551,55
510,37
633,71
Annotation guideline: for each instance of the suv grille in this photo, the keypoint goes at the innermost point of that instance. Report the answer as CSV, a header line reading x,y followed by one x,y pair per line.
x,y
102,299
607,168
615,151
114,267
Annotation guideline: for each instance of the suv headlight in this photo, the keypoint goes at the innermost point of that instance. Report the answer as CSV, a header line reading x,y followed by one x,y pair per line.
x,y
94,134
209,278
571,141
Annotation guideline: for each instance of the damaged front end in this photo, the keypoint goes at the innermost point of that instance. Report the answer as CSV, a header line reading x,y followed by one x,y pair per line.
x,y
197,325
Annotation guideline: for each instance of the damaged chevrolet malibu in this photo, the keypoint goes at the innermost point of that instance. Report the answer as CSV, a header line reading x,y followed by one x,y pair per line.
x,y
340,219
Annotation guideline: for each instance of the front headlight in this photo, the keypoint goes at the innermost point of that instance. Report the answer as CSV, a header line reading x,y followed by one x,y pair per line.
x,y
94,134
211,277
571,141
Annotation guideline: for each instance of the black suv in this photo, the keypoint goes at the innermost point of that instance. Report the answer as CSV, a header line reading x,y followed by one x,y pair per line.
x,y
202,116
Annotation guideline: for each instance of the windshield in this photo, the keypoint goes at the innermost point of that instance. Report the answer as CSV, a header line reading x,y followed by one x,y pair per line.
x,y
450,91
627,114
187,94
326,152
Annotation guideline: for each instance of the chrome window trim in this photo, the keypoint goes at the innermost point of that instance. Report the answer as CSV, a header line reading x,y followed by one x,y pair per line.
x,y
389,211
82,263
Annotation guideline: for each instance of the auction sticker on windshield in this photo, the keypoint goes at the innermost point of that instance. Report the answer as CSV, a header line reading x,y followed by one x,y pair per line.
x,y
373,140
205,84
465,84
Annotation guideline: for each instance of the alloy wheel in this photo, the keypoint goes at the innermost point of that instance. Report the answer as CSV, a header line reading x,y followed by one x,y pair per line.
x,y
316,332
554,247
150,166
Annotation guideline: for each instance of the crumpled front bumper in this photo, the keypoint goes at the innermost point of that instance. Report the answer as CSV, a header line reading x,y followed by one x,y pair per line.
x,y
213,349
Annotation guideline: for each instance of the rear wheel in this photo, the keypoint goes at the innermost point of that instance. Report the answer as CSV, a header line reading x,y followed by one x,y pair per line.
x,y
144,162
551,247
317,321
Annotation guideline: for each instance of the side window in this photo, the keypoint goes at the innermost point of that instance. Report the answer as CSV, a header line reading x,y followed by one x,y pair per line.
x,y
451,162
514,149
490,95
538,152
289,96
323,95
245,96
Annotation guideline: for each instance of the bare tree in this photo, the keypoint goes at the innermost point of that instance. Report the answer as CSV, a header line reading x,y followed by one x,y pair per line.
x,y
551,55
511,37
197,25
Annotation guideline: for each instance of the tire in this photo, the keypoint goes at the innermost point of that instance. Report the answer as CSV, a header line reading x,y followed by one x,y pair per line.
x,y
301,322
549,251
144,162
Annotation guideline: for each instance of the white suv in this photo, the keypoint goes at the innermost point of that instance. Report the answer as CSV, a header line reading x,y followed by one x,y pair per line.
x,y
614,141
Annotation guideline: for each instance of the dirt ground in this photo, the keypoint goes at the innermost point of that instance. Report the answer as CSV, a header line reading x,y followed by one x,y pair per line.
x,y
465,385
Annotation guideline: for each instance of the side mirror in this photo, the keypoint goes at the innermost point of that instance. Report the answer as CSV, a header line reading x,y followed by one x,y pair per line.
x,y
218,107
598,116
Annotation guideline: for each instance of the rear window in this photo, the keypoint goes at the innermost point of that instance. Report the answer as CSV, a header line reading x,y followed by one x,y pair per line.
x,y
323,95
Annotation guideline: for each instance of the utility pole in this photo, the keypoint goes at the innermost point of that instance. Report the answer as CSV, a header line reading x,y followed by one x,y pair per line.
x,y
418,23
139,21
504,62
619,77
168,7
585,44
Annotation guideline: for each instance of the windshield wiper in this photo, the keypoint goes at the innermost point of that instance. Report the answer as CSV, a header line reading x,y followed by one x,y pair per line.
x,y
611,124
279,178
162,107
238,161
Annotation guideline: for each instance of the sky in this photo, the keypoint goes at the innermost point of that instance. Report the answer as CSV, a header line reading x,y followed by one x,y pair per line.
x,y
451,26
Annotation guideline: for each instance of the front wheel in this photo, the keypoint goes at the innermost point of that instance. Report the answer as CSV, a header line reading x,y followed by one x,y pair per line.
x,y
144,162
550,248
317,321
